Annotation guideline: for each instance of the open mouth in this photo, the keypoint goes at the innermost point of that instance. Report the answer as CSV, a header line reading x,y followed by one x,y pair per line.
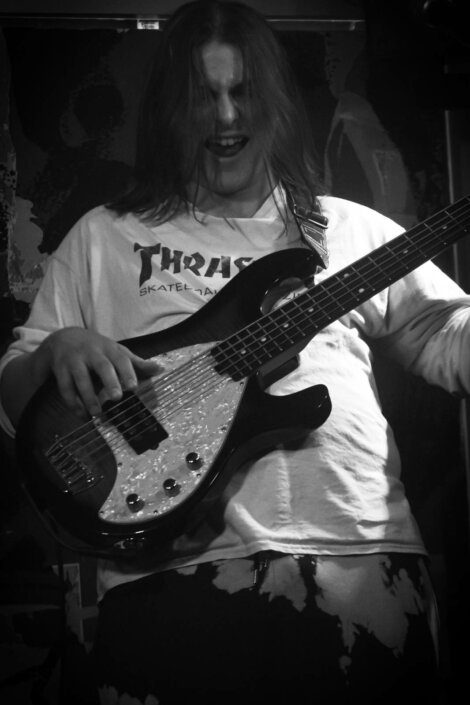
x,y
226,146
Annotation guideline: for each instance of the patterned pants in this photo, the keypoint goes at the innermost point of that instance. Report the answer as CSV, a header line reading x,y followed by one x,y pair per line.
x,y
273,629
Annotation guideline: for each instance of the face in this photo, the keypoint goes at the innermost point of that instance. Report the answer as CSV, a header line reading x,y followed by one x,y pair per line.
x,y
233,165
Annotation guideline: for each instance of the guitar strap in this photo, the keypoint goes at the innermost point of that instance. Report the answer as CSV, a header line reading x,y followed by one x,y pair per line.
x,y
312,225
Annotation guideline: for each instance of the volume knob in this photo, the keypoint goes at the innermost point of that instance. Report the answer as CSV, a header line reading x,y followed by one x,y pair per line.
x,y
134,502
194,461
171,487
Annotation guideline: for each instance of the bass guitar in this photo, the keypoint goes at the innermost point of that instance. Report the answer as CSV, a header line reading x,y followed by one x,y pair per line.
x,y
140,472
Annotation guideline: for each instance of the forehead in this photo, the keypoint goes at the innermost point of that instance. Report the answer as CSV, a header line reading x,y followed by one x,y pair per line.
x,y
222,64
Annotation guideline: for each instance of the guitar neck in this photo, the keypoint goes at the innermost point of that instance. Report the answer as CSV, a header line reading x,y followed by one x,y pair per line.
x,y
243,353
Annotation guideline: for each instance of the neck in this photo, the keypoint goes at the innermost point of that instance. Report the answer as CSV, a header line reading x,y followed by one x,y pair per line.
x,y
240,204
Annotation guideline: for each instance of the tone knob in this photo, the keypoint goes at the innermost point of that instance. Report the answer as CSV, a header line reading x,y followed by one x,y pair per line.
x,y
194,461
134,502
171,487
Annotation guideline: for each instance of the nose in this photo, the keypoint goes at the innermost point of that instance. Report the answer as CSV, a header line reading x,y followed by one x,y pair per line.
x,y
227,111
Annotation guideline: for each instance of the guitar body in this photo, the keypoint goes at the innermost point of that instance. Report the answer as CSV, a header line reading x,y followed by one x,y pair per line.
x,y
150,466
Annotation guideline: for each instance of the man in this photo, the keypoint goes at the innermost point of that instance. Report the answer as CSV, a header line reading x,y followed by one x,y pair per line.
x,y
307,581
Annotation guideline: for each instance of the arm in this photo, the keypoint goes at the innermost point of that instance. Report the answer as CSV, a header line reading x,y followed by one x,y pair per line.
x,y
60,337
422,320
427,328
72,355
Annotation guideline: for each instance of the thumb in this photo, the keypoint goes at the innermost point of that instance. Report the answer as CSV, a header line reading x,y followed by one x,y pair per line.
x,y
146,367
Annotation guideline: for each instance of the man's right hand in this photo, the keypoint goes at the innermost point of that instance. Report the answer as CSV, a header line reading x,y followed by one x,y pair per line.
x,y
77,358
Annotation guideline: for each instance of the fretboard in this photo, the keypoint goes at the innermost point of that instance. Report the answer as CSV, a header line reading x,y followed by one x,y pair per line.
x,y
243,353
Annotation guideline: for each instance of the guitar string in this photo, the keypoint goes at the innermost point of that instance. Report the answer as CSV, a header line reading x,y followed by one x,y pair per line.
x,y
189,400
186,398
320,302
187,369
201,360
142,391
340,283
115,440
330,290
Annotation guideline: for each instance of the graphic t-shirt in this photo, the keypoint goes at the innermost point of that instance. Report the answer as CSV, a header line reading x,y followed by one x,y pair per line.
x,y
339,492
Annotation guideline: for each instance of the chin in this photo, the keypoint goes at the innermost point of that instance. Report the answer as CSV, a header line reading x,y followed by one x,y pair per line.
x,y
228,182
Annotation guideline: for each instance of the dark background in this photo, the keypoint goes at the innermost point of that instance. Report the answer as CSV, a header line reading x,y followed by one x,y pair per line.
x,y
387,86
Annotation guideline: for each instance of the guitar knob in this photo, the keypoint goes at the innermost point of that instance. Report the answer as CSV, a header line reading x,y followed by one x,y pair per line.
x,y
134,502
171,487
194,461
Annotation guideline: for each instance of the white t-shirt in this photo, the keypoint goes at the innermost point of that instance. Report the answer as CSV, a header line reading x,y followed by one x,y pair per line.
x,y
340,492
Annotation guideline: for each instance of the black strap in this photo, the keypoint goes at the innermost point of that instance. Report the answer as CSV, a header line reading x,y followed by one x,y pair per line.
x,y
312,225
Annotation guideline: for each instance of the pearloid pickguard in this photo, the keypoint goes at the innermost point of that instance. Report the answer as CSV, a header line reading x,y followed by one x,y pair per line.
x,y
199,427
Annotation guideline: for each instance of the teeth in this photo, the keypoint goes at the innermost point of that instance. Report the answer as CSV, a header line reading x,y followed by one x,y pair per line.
x,y
226,146
228,141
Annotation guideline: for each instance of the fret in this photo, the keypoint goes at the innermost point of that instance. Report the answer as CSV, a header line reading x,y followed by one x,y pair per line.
x,y
298,328
372,271
346,282
357,284
300,318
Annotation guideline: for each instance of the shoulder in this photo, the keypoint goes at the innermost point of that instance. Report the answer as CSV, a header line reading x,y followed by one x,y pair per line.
x,y
98,218
340,210
351,220
96,226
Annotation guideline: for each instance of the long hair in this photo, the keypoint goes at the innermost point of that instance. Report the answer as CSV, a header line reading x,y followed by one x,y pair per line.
x,y
171,137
